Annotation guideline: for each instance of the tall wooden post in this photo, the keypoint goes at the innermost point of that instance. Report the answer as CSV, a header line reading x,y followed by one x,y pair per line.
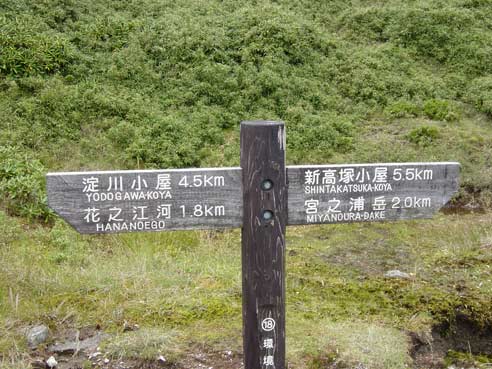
x,y
263,243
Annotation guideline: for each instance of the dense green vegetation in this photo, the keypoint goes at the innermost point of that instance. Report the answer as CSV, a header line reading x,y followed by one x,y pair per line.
x,y
166,83
124,84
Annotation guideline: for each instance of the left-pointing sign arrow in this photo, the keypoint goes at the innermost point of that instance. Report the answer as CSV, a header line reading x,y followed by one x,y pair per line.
x,y
147,200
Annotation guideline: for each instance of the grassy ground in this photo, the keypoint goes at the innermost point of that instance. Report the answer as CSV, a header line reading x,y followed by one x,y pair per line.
x,y
183,288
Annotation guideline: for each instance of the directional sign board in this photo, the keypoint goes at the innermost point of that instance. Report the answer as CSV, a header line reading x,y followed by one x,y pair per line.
x,y
262,196
369,192
157,200
147,200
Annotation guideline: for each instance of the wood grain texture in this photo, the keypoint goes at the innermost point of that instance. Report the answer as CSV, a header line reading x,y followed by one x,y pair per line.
x,y
369,192
420,188
147,200
263,244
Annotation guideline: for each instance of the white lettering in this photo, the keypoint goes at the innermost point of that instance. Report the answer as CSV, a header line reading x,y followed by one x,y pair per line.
x,y
348,188
345,217
153,225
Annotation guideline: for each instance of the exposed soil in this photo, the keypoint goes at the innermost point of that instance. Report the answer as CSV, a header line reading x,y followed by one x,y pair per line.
x,y
209,360
79,349
428,351
463,335
463,206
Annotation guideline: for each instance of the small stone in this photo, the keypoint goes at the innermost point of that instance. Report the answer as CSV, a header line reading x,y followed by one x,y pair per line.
x,y
88,345
37,335
127,327
106,361
161,359
51,362
397,274
94,355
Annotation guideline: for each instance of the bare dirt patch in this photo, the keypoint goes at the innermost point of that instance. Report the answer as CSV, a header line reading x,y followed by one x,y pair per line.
x,y
463,335
79,349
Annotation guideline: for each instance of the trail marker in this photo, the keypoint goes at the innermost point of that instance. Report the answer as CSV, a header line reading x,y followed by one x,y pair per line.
x,y
262,196
147,200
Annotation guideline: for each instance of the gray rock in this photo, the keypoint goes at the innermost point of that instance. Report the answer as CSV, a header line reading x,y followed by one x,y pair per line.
x,y
37,335
51,362
397,274
71,347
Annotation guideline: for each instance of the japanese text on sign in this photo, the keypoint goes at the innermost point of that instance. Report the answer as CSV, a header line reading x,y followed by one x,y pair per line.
x,y
371,192
130,201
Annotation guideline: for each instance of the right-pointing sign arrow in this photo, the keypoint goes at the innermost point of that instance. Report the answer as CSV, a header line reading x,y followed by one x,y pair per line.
x,y
368,192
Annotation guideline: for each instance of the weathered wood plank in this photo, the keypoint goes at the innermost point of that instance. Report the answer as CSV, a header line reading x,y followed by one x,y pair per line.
x,y
129,201
263,243
147,200
369,192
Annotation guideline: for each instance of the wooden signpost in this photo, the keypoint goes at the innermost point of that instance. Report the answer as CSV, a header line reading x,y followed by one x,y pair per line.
x,y
369,192
262,196
147,200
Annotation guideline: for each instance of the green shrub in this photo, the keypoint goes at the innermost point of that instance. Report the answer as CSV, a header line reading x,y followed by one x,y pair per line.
x,y
448,35
22,185
57,14
312,137
439,110
432,33
367,23
403,109
43,112
27,47
480,94
107,33
423,135
379,76
174,141
166,84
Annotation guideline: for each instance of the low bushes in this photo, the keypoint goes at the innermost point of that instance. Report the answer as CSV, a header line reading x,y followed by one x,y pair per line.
x,y
22,185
